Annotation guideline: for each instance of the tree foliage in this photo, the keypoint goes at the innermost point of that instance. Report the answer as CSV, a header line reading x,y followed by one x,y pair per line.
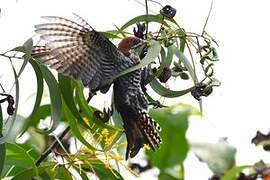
x,y
175,56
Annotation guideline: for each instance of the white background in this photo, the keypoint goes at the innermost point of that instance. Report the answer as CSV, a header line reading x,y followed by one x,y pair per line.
x,y
235,110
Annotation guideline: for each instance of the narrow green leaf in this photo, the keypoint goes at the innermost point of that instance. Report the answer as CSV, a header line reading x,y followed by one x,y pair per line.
x,y
25,48
81,172
233,172
40,86
111,34
2,146
88,110
166,60
120,31
1,120
42,112
68,95
17,155
28,174
95,125
55,97
63,173
11,119
22,67
142,18
98,168
73,123
152,53
165,92
182,39
186,63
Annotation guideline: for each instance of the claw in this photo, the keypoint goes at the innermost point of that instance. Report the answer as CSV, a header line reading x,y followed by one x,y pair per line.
x,y
90,95
105,115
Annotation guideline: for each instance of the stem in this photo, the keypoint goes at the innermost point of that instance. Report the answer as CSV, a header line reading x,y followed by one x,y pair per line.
x,y
206,21
46,153
160,27
2,88
193,64
7,56
146,12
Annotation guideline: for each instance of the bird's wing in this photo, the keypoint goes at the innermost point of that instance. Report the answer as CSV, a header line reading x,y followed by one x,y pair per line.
x,y
76,49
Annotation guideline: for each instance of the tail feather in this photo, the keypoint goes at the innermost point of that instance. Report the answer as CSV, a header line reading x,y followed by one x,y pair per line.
x,y
140,129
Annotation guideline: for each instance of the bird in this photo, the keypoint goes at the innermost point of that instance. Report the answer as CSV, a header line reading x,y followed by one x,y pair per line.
x,y
75,49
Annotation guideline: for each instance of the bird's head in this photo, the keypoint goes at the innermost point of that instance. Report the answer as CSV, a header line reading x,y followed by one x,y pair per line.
x,y
129,44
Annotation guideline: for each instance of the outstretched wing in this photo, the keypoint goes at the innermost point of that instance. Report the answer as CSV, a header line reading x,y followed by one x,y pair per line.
x,y
76,49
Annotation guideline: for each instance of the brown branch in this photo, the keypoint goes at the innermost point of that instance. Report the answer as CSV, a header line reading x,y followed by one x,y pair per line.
x,y
206,21
146,12
10,57
55,143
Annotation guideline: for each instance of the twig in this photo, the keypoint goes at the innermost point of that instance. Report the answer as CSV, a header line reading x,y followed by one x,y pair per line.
x,y
2,88
46,153
146,12
161,26
207,18
193,64
7,56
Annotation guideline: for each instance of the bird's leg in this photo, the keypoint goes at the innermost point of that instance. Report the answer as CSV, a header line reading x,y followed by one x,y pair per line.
x,y
146,77
105,115
90,95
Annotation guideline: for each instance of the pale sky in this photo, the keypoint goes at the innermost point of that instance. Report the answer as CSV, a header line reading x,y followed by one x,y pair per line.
x,y
235,110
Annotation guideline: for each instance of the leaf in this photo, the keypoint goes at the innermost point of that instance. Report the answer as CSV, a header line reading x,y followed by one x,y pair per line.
x,y
1,120
233,172
152,53
40,88
165,60
218,156
104,173
16,155
110,34
42,112
150,18
97,167
11,120
28,174
25,48
2,146
73,123
55,97
67,93
81,172
174,147
165,92
186,63
95,125
62,173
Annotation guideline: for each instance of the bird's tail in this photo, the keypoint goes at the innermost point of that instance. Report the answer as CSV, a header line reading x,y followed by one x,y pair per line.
x,y
140,129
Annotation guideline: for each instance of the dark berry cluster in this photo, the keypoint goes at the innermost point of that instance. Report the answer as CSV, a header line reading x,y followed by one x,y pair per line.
x,y
168,11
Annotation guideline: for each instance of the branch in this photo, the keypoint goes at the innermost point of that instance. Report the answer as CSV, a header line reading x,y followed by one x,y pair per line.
x,y
55,143
211,6
146,12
